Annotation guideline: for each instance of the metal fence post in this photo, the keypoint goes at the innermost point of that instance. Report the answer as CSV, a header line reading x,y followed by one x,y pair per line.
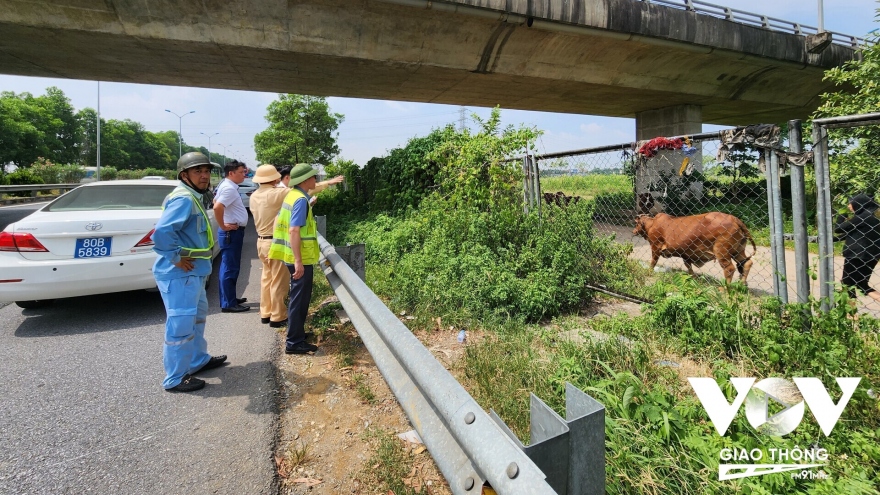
x,y
526,195
536,190
779,252
799,214
823,203
771,212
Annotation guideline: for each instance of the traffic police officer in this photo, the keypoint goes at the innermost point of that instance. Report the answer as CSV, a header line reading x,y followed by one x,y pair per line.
x,y
183,239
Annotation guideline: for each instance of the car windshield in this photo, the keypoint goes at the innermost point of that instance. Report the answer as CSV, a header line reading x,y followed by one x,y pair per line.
x,y
112,197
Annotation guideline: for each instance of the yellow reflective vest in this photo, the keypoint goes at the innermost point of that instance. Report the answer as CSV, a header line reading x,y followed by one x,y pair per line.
x,y
280,248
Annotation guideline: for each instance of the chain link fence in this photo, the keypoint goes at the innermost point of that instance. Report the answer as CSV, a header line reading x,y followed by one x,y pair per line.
x,y
848,178
721,179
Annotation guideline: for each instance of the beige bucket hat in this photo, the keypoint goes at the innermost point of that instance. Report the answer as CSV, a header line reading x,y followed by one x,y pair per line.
x,y
266,173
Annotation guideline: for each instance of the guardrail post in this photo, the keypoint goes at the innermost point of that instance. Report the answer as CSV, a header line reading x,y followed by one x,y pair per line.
x,y
354,255
571,451
321,222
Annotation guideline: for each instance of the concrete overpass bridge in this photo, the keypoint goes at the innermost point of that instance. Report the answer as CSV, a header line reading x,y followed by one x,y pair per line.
x,y
672,69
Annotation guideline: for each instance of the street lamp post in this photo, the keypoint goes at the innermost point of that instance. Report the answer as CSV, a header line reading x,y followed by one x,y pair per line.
x,y
209,142
224,153
180,130
821,17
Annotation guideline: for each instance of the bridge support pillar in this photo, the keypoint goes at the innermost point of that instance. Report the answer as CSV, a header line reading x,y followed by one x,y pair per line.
x,y
669,121
664,181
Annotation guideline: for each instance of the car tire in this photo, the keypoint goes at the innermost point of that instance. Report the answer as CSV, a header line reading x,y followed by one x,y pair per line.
x,y
34,304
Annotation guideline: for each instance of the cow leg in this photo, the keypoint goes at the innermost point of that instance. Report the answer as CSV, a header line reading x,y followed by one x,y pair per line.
x,y
724,259
744,266
655,256
689,266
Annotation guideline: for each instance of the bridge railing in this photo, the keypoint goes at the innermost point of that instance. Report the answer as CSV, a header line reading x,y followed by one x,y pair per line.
x,y
758,20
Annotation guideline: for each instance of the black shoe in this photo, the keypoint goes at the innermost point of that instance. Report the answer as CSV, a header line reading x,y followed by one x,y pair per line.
x,y
301,348
241,300
214,362
188,384
235,309
264,320
278,324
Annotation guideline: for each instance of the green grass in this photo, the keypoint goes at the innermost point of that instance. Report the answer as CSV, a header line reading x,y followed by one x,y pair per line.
x,y
389,465
657,437
587,186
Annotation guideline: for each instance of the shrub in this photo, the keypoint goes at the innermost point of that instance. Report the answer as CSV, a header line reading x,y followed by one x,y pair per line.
x,y
469,252
168,174
130,174
71,174
21,177
109,173
46,170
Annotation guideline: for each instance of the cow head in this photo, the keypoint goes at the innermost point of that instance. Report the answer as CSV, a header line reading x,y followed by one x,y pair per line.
x,y
643,223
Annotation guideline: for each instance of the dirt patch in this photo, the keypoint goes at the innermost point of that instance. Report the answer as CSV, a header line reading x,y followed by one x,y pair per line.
x,y
335,403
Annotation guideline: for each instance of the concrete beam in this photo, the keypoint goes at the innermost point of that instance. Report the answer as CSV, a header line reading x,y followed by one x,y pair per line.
x,y
679,120
576,56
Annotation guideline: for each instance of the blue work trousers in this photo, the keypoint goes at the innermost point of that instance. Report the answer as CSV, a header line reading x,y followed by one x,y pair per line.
x,y
231,242
186,305
298,305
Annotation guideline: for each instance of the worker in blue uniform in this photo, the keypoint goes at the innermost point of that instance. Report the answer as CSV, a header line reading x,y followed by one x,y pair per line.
x,y
183,239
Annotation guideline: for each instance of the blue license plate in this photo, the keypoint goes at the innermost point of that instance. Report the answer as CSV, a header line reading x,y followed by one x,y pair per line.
x,y
92,247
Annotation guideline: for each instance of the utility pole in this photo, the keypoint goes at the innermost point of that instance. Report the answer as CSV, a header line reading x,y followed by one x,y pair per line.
x,y
461,117
98,143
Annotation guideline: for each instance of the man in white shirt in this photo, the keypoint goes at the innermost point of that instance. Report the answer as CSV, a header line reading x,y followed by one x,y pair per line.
x,y
232,218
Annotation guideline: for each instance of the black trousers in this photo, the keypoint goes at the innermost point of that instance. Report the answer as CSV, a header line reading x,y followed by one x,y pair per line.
x,y
298,305
856,273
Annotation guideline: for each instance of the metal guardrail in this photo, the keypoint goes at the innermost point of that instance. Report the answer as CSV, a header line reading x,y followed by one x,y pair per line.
x,y
468,445
37,187
758,20
465,442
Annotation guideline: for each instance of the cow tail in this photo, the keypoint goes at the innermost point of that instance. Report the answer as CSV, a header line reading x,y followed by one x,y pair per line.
x,y
742,225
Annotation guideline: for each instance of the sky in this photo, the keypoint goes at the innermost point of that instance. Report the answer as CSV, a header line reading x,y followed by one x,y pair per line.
x,y
372,127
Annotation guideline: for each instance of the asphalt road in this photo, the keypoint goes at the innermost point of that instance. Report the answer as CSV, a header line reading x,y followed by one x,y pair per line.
x,y
82,409
14,213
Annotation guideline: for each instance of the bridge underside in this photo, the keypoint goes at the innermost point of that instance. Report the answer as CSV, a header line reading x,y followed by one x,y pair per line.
x,y
372,49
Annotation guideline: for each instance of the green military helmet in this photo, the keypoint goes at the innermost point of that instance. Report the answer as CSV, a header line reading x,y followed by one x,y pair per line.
x,y
300,173
191,160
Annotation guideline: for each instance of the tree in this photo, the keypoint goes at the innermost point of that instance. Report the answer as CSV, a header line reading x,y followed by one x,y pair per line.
x,y
19,137
854,151
301,130
32,127
60,127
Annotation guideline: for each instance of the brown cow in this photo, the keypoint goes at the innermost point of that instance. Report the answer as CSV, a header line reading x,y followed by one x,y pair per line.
x,y
698,239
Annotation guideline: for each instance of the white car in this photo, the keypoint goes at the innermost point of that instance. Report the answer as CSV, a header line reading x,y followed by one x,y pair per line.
x,y
95,239
153,177
245,189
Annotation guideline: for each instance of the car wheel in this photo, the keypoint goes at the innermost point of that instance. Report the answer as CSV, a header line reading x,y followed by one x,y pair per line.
x,y
34,304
